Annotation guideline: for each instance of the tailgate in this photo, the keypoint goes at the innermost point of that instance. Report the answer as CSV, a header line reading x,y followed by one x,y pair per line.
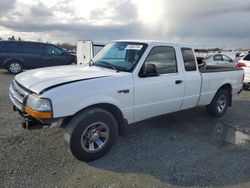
x,y
247,74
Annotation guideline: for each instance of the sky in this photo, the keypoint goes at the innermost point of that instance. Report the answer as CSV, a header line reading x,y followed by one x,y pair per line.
x,y
203,23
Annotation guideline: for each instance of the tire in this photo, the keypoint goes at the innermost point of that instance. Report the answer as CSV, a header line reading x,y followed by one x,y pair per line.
x,y
14,67
219,104
245,87
91,134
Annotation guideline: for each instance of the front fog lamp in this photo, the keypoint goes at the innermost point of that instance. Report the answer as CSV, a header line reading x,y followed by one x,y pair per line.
x,y
38,107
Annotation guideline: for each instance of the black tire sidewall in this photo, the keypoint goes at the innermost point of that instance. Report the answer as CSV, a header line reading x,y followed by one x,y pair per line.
x,y
212,107
81,123
8,67
245,87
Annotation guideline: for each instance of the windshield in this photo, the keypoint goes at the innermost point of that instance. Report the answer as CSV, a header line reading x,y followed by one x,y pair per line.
x,y
208,56
120,56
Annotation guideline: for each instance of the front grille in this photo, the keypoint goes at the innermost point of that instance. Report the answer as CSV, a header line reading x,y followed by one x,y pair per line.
x,y
17,95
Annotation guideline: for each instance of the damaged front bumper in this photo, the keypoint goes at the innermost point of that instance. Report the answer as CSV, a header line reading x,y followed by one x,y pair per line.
x,y
30,123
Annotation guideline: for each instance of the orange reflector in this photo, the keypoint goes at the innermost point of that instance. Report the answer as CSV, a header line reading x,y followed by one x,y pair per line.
x,y
38,115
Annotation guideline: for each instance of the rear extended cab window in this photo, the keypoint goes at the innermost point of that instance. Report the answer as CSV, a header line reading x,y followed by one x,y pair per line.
x,y
188,59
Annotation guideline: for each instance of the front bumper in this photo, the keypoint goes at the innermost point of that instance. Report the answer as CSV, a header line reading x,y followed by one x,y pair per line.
x,y
30,123
18,96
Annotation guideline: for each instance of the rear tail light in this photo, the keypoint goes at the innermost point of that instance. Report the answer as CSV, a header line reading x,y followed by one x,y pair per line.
x,y
240,65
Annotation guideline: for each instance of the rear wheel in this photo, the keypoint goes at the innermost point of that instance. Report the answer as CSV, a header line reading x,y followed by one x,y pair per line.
x,y
219,104
14,67
245,87
91,134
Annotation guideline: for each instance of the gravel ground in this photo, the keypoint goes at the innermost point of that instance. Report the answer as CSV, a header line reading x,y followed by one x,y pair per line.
x,y
176,150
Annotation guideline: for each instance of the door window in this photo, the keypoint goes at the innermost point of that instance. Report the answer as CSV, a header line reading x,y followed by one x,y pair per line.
x,y
225,58
164,58
54,50
218,58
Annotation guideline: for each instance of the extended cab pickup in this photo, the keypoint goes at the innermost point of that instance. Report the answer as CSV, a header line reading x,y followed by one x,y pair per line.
x,y
126,82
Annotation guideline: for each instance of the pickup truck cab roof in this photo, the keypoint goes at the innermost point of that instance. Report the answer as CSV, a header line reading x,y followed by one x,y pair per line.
x,y
156,42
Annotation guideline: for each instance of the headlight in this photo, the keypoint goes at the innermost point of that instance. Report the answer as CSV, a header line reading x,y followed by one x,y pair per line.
x,y
38,104
38,107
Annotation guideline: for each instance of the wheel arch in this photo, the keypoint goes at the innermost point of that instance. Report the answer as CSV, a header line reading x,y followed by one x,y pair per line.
x,y
7,61
114,110
229,88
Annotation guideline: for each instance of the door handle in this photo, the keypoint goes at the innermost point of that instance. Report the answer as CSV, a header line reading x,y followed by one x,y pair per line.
x,y
178,81
123,91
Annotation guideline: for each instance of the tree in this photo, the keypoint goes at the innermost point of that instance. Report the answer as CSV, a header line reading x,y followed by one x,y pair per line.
x,y
11,38
66,45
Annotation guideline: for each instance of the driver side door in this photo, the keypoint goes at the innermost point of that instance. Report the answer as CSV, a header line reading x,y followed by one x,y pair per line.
x,y
162,93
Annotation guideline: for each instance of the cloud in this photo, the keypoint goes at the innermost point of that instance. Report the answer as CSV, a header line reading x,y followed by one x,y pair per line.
x,y
40,10
123,11
209,19
79,30
6,6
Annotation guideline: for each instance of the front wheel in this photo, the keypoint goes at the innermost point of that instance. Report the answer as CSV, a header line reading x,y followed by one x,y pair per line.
x,y
91,134
14,67
219,104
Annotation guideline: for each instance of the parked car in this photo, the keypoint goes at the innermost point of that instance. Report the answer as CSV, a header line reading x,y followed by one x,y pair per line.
x,y
128,81
219,60
18,55
245,64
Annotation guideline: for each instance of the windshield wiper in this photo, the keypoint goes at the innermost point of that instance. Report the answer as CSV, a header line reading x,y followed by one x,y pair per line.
x,y
110,65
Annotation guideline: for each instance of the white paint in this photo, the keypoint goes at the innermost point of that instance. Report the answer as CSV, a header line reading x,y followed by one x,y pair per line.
x,y
86,50
147,97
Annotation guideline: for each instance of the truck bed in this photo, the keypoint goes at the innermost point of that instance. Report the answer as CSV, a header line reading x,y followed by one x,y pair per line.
x,y
213,77
212,69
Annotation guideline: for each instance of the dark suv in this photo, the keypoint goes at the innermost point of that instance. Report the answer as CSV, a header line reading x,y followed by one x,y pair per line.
x,y
18,55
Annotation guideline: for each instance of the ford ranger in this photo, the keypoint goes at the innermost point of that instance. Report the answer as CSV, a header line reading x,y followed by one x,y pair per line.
x,y
126,82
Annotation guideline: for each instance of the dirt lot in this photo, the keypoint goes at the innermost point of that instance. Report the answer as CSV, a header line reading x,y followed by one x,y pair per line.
x,y
169,151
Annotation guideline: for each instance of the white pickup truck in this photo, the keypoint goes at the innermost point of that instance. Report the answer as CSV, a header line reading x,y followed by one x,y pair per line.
x,y
127,82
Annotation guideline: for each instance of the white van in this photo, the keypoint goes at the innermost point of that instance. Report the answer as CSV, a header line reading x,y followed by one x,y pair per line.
x,y
86,50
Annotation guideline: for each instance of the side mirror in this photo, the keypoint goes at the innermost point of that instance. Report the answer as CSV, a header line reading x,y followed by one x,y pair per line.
x,y
149,70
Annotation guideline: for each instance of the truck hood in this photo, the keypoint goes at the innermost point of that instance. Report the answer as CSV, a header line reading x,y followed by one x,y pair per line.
x,y
38,80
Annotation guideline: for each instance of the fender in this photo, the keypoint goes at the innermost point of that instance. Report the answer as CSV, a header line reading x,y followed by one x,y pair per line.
x,y
7,60
89,101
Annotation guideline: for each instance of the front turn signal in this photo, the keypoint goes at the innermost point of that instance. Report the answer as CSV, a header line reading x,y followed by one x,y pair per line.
x,y
37,114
